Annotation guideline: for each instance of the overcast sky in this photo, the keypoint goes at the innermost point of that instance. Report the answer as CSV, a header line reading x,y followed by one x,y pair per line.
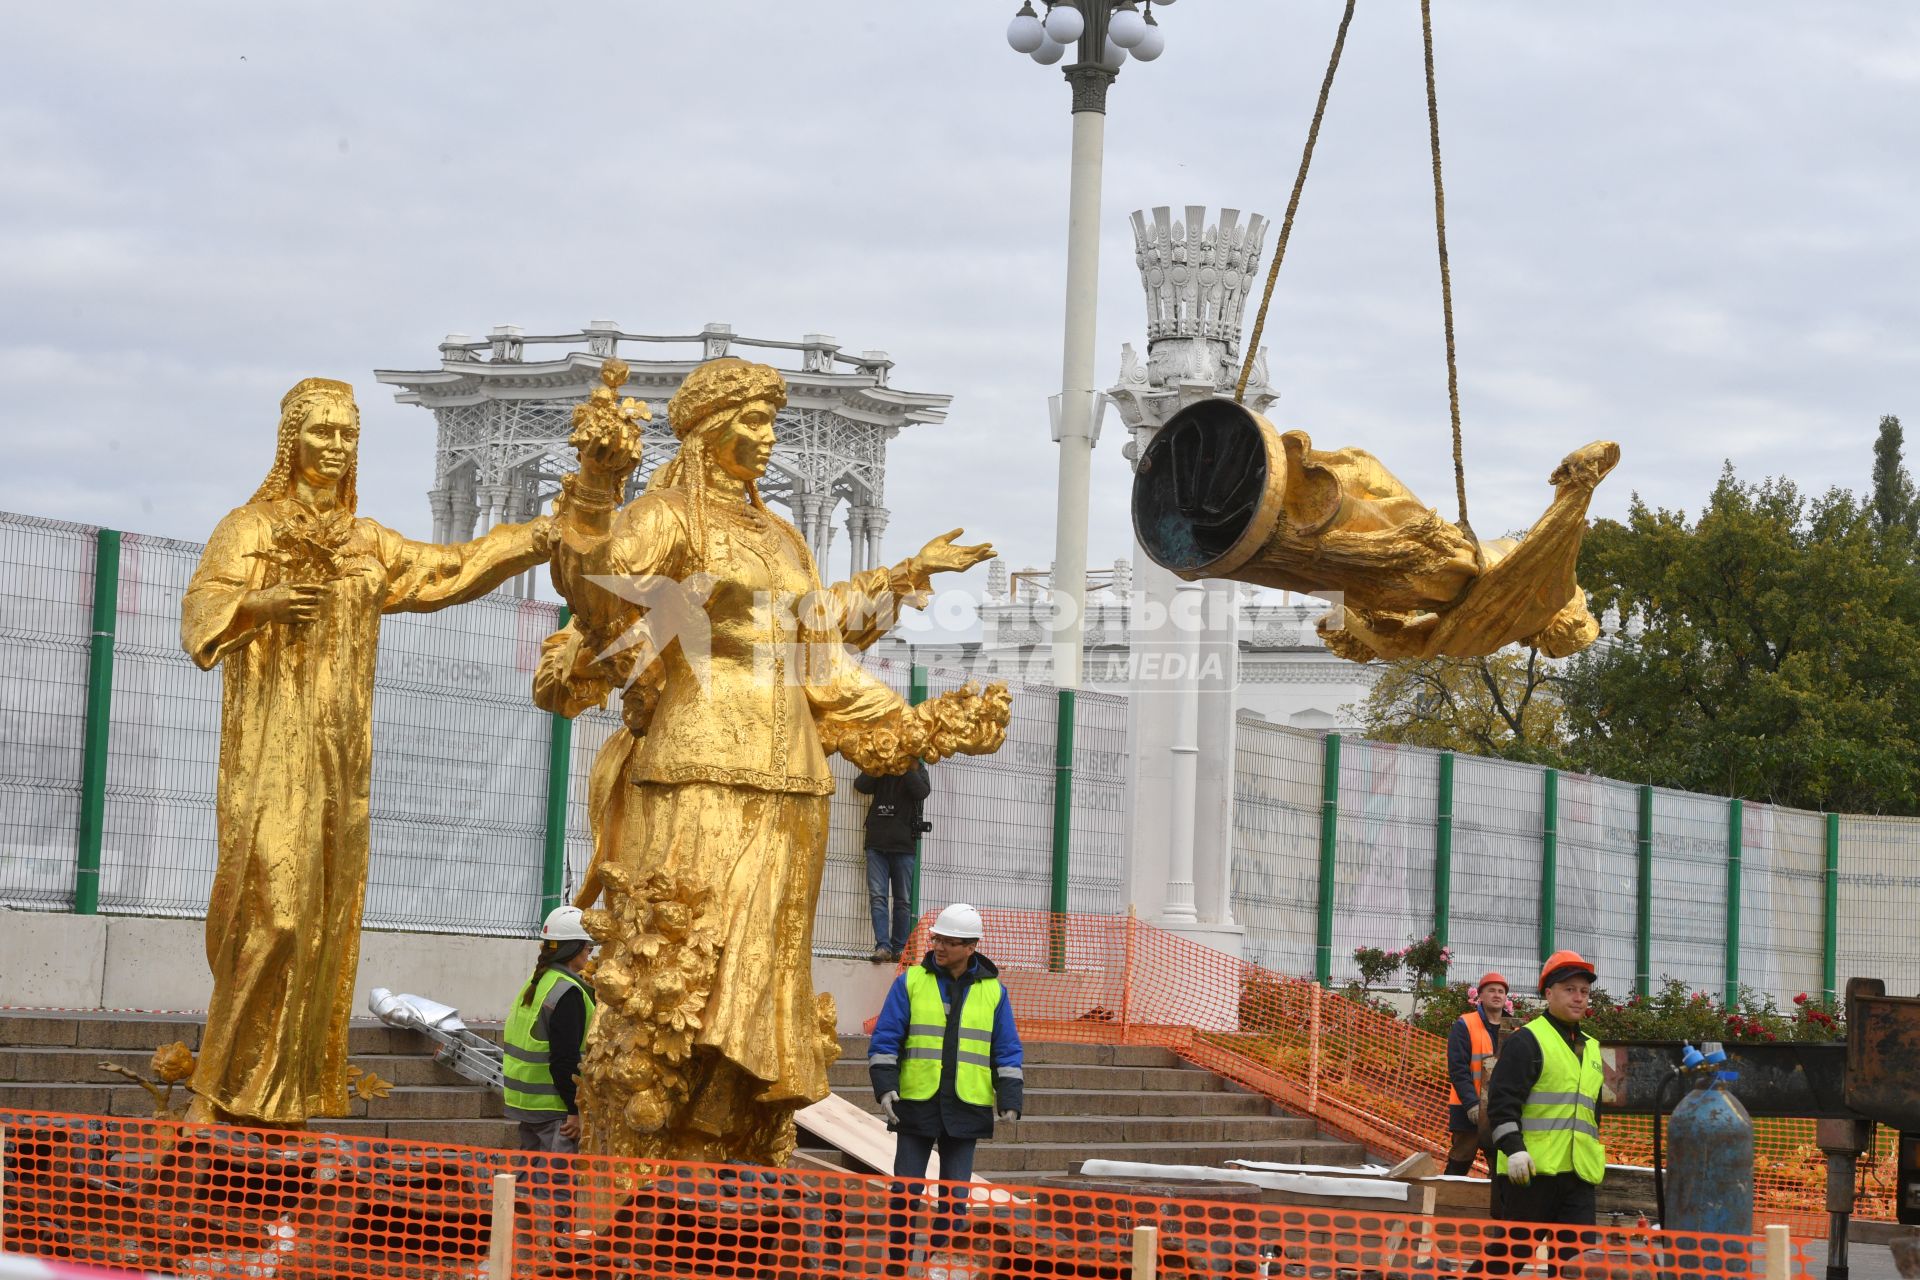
x,y
1691,228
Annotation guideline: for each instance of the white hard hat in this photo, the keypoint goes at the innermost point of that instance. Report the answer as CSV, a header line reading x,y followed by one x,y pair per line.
x,y
564,925
959,921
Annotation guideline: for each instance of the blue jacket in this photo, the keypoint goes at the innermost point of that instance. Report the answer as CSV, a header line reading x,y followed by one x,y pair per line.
x,y
945,1114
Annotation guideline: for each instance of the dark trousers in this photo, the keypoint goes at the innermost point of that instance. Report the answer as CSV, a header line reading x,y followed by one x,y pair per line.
x,y
1551,1198
910,1154
1466,1145
890,871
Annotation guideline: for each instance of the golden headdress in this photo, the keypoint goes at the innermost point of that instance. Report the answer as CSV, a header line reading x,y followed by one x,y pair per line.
x,y
704,396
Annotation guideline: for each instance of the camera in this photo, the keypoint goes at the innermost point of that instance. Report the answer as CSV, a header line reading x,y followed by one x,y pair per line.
x,y
921,828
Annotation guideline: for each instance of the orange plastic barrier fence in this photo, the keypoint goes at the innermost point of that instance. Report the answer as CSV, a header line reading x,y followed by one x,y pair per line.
x,y
1364,1075
216,1202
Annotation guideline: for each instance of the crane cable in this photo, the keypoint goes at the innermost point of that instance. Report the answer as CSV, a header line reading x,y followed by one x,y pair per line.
x,y
1440,238
1446,281
1293,204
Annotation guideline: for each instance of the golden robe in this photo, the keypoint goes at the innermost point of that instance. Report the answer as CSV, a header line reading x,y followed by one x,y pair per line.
x,y
296,746
723,796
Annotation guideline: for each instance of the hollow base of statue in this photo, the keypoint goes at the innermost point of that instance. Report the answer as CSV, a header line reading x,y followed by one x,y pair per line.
x,y
1221,493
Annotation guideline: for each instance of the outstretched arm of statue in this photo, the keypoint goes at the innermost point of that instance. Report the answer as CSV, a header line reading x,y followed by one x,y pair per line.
x,y
868,604
424,576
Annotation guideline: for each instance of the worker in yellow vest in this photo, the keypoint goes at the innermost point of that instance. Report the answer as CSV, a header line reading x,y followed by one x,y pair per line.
x,y
1472,1046
1544,1102
546,1034
945,1059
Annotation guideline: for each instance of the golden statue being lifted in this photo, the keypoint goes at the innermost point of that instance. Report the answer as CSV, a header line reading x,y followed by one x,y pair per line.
x,y
709,807
1220,493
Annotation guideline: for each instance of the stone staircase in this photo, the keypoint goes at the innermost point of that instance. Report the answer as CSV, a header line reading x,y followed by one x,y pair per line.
x,y
1082,1101
1110,1102
50,1062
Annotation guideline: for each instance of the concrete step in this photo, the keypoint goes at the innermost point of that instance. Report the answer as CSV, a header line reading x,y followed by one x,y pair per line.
x,y
1058,1053
55,1064
1044,1076
1120,1103
151,1030
996,1157
416,1102
466,1133
1176,1129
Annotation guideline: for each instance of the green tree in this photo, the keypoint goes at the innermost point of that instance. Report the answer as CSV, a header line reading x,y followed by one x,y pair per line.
x,y
1772,652
1501,705
1894,507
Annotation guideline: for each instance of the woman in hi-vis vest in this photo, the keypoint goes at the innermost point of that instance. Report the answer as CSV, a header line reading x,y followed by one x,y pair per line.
x,y
1544,1101
546,1033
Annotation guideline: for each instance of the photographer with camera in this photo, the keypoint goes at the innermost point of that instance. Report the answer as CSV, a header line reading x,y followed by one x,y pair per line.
x,y
894,829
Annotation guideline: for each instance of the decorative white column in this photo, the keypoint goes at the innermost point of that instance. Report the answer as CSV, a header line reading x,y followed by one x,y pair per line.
x,y
805,505
876,533
1182,677
856,538
493,504
440,501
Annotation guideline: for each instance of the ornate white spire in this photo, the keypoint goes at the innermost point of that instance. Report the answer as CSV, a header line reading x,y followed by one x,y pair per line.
x,y
1197,276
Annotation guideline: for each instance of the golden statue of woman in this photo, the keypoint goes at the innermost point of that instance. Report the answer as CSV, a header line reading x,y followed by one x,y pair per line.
x,y
287,599
710,806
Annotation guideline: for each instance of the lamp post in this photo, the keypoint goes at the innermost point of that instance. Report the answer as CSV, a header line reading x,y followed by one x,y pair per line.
x,y
1105,33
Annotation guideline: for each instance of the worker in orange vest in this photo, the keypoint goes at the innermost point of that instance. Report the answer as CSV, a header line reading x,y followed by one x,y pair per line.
x,y
1472,1045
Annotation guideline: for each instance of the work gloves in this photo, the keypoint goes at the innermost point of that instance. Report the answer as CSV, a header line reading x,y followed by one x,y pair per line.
x,y
1520,1169
1473,1114
1009,1115
886,1104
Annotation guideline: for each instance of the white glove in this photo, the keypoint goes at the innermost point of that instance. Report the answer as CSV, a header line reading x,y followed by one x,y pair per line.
x,y
1473,1114
886,1104
1520,1169
1009,1115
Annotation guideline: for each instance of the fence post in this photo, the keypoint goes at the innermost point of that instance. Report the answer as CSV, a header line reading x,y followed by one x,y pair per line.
x,y
553,868
1329,850
1146,1251
1736,819
1830,962
1314,993
916,694
1779,1251
1126,978
1443,851
1643,928
93,762
500,1229
1549,859
1062,830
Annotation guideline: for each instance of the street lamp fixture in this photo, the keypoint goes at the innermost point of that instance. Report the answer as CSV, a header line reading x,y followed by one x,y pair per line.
x,y
1131,30
1104,33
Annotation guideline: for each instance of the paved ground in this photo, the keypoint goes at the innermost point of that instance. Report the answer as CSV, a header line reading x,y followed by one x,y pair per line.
x,y
1864,1261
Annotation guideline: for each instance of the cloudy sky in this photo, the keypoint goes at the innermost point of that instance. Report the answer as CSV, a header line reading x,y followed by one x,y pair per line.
x,y
1691,228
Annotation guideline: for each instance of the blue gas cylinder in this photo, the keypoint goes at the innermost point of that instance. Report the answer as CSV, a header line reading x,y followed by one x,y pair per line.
x,y
1710,1164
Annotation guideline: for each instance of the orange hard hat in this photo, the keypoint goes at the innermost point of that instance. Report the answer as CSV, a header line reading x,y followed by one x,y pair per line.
x,y
1563,964
1494,975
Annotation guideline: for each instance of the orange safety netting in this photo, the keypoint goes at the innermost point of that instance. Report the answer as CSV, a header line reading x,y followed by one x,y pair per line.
x,y
1368,1077
217,1202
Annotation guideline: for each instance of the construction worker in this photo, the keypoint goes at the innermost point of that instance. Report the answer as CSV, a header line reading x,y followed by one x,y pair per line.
x,y
1544,1103
1472,1045
945,1060
546,1034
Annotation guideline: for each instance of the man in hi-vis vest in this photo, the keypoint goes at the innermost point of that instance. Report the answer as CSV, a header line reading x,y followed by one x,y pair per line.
x,y
945,1059
1544,1100
1473,1045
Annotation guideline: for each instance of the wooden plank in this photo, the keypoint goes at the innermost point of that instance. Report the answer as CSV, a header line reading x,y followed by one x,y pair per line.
x,y
862,1136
